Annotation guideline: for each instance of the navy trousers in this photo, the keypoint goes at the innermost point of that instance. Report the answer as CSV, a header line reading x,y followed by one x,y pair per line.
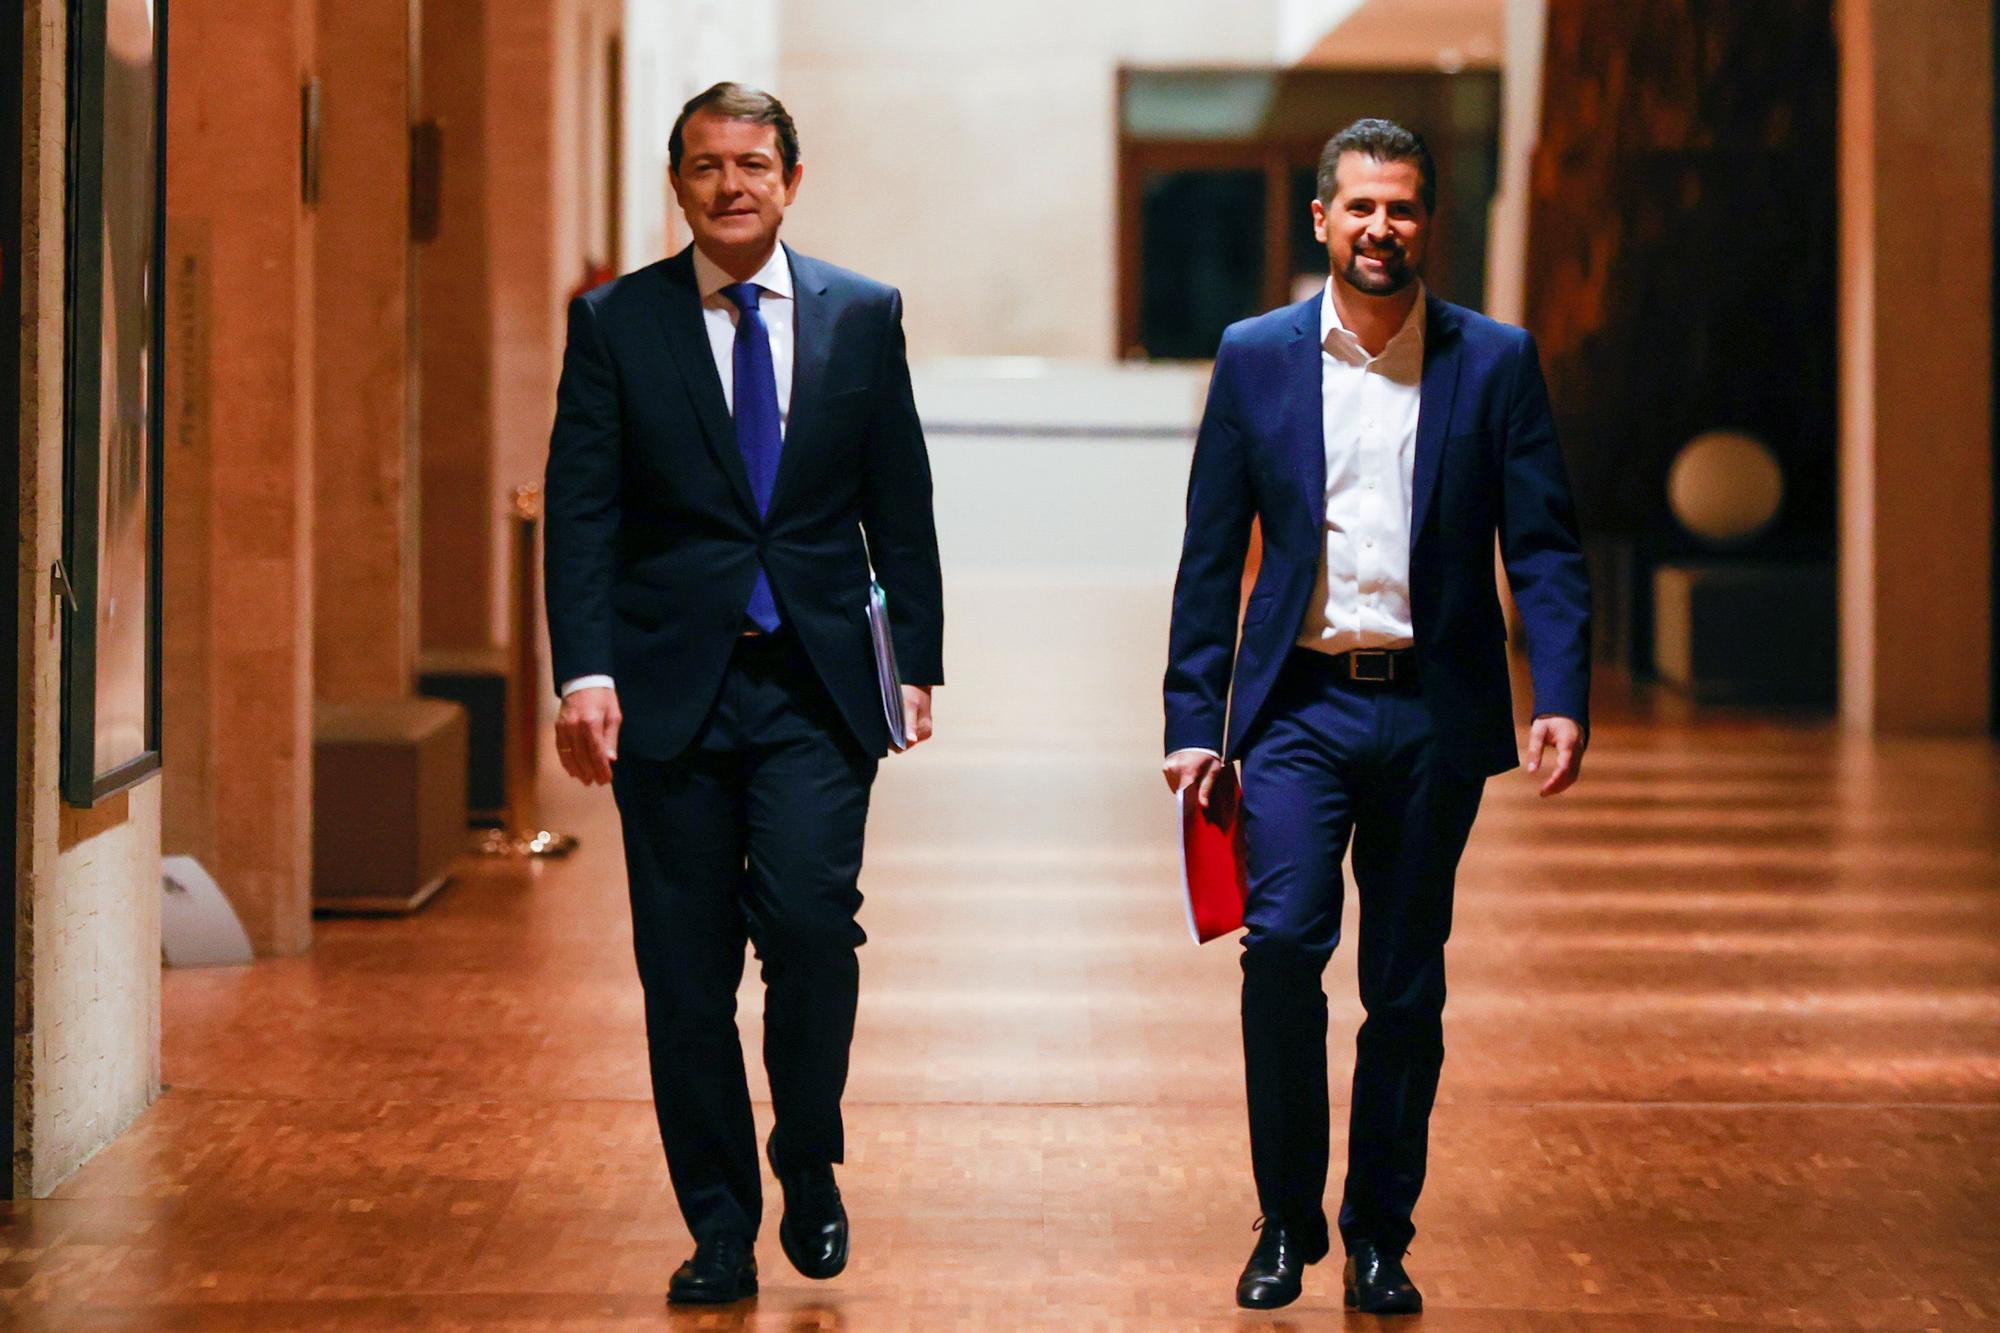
x,y
754,833
1333,762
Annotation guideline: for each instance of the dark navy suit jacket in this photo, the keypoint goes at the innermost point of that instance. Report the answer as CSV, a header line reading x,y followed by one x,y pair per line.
x,y
1486,461
653,535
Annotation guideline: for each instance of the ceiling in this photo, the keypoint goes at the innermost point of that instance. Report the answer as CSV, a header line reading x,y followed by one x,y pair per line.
x,y
1416,34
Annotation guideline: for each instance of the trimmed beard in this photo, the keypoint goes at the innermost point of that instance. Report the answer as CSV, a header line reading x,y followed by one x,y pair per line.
x,y
1396,274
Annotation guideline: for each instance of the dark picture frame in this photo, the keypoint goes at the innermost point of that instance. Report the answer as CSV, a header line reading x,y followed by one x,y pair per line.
x,y
112,418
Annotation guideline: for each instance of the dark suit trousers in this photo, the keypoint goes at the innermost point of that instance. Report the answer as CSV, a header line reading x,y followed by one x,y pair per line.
x,y
1329,762
753,833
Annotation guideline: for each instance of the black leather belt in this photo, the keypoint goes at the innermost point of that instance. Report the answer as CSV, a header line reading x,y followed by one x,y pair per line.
x,y
1379,667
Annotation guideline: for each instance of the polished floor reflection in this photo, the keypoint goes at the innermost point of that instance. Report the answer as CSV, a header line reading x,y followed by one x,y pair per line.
x,y
1724,1047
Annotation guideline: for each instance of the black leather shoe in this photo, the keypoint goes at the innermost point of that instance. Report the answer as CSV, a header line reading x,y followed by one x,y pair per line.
x,y
814,1230
1277,1266
723,1270
1377,1284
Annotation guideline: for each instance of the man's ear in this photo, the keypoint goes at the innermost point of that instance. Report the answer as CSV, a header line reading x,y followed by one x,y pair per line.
x,y
792,182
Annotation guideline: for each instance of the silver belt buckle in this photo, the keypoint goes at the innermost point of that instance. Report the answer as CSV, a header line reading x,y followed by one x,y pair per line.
x,y
1372,665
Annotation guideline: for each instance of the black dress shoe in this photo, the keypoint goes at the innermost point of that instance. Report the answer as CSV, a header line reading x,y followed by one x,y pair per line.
x,y
814,1230
1278,1265
1377,1284
723,1270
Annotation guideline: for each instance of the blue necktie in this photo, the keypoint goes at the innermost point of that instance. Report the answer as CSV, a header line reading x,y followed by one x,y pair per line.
x,y
757,430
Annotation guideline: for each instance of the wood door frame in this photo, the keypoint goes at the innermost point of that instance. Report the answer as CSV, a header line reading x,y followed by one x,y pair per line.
x,y
1426,99
1137,158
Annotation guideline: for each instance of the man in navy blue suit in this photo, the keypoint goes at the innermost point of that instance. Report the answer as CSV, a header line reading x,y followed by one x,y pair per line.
x,y
735,445
1381,437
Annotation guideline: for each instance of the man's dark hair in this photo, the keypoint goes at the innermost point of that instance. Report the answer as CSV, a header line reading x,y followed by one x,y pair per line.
x,y
1385,141
734,101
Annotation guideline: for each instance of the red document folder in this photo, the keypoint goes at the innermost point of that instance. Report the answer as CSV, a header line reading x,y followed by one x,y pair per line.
x,y
1213,876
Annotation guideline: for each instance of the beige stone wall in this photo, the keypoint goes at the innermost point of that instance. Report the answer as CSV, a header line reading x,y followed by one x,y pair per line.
x,y
967,153
490,288
96,942
365,498
527,329
518,91
86,1043
673,50
1526,28
455,573
238,632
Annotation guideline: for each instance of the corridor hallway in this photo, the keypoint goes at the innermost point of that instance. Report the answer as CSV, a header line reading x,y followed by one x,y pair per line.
x,y
1737,990
1734,1000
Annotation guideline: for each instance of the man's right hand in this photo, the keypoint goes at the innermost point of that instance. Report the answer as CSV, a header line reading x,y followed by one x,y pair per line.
x,y
587,734
1196,768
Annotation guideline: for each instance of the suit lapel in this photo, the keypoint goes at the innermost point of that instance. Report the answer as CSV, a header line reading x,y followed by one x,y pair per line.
x,y
812,345
1440,388
687,344
1304,391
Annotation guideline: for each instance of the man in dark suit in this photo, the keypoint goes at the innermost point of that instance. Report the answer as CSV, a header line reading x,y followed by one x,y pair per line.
x,y
1381,437
735,444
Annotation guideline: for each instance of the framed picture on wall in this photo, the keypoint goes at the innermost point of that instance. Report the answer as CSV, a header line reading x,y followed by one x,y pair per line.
x,y
110,577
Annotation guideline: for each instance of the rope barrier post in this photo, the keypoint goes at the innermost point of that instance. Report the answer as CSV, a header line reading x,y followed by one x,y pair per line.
x,y
522,834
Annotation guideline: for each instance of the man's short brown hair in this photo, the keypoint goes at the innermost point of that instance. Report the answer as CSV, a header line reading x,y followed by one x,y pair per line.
x,y
735,101
1385,141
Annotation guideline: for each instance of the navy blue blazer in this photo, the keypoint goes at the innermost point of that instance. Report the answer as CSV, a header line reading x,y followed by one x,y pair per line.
x,y
653,535
1486,461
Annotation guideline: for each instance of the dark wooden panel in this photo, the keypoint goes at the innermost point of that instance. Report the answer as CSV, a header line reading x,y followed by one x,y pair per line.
x,y
1682,243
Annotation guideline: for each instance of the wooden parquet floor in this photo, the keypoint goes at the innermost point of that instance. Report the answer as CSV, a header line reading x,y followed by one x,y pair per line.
x,y
1724,1051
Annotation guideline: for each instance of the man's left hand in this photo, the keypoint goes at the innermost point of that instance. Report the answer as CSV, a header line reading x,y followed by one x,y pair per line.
x,y
917,714
1568,739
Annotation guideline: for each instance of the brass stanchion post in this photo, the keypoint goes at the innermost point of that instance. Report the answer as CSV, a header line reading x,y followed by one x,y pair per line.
x,y
521,834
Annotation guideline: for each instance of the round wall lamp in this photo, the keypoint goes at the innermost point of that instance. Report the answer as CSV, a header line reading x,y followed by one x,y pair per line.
x,y
1725,487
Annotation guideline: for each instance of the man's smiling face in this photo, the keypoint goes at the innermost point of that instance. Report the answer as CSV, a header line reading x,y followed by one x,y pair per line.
x,y
732,185
1375,228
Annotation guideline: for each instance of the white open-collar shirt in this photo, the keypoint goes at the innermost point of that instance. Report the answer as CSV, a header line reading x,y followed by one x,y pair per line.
x,y
1368,412
719,317
1369,408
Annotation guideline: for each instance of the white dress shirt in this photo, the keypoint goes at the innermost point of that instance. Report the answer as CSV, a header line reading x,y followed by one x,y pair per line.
x,y
719,317
1369,409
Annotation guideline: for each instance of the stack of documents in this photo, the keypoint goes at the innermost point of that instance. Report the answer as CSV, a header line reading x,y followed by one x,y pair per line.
x,y
885,666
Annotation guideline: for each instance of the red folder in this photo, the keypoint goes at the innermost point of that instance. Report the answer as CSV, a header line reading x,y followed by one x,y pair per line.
x,y
1213,876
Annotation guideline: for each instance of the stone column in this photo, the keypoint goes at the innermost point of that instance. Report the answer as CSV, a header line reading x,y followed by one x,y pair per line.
x,y
1520,124
86,1012
455,341
1916,370
364,641
527,285
238,636
491,332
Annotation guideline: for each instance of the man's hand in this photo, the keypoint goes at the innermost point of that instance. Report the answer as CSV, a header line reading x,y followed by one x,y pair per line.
x,y
917,714
587,734
1568,739
1196,768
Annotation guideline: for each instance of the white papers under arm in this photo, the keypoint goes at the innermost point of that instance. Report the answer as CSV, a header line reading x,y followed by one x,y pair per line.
x,y
886,676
